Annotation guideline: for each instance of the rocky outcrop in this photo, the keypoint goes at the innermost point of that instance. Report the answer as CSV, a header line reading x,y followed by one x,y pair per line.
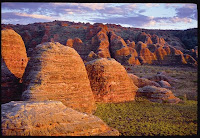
x,y
141,82
13,52
49,118
109,81
157,94
190,60
146,57
145,38
108,41
57,72
160,54
100,43
77,44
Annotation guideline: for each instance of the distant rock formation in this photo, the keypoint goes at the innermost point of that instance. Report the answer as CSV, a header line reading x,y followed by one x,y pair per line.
x,y
57,72
157,94
100,43
77,44
13,52
119,50
49,118
165,47
109,81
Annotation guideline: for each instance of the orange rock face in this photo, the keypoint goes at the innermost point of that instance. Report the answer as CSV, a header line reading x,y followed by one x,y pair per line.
x,y
109,81
147,56
100,43
160,53
13,52
50,118
57,72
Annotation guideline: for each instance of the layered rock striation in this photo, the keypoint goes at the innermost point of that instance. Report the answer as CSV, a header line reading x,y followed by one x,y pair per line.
x,y
13,63
49,118
13,52
109,81
57,72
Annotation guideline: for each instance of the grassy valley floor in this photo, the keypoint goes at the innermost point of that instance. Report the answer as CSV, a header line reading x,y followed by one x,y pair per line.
x,y
144,118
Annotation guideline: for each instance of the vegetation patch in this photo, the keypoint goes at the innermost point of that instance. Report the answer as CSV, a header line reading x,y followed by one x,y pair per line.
x,y
145,118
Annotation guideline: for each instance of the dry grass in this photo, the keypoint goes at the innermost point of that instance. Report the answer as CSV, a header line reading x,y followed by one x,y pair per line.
x,y
186,76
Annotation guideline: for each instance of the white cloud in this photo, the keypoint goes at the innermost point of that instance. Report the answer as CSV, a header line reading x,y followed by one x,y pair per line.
x,y
93,6
38,16
151,5
185,20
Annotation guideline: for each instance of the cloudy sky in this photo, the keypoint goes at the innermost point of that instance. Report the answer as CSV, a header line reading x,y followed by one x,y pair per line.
x,y
139,15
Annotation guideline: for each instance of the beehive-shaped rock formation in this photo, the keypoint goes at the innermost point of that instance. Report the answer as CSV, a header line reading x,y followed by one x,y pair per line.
x,y
49,118
57,72
147,56
109,81
77,44
13,52
100,44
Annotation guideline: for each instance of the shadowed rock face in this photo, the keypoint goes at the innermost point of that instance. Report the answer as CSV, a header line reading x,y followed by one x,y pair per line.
x,y
157,94
57,72
13,63
49,118
13,52
109,81
10,86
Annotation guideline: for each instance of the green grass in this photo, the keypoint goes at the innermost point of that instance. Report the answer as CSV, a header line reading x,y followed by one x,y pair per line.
x,y
144,118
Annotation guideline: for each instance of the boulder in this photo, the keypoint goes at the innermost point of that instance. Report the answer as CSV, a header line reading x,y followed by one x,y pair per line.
x,y
49,118
164,84
159,77
141,82
57,72
109,81
13,52
157,94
